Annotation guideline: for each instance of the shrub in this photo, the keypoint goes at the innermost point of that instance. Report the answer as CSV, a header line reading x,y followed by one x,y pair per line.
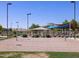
x,y
24,35
48,36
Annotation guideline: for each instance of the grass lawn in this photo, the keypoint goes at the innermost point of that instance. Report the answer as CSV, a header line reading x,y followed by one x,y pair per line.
x,y
63,54
50,54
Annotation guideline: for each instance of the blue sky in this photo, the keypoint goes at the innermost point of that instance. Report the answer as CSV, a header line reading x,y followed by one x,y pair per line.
x,y
42,13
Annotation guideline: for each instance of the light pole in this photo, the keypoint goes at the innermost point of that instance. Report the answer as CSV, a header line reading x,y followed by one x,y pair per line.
x,y
17,30
7,17
74,2
74,11
17,44
28,14
28,20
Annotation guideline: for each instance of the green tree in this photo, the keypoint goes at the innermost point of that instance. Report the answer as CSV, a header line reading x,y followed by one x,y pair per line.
x,y
78,24
74,24
14,32
10,29
34,26
1,28
66,22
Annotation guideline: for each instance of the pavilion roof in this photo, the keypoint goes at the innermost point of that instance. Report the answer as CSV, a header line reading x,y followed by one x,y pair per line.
x,y
40,28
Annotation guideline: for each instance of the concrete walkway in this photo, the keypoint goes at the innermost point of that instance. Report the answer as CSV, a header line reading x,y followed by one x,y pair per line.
x,y
40,44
